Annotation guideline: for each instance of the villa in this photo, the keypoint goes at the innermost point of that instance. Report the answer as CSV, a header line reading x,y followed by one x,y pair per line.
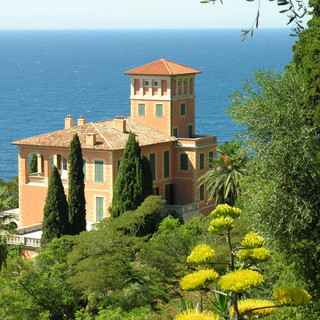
x,y
162,116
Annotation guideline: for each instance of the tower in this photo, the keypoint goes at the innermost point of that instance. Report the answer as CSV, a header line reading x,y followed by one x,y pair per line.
x,y
162,96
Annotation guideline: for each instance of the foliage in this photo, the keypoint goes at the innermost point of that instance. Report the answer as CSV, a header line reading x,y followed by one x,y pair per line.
x,y
37,289
106,268
55,220
76,197
306,60
224,177
238,280
283,175
294,9
33,163
132,184
10,193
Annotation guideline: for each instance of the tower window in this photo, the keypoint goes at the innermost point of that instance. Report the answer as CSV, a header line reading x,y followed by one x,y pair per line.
x,y
183,162
141,109
159,110
182,109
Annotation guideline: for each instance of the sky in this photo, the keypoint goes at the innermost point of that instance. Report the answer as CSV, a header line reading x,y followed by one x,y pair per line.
x,y
136,14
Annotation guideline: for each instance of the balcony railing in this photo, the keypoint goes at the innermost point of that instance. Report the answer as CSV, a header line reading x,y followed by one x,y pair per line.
x,y
36,178
186,210
25,241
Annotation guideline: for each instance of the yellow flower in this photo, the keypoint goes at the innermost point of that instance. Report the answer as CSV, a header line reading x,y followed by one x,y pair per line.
x,y
198,279
221,225
254,255
196,315
240,280
201,254
291,296
252,240
246,305
226,211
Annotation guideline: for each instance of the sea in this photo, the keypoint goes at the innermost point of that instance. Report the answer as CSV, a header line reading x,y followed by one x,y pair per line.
x,y
46,75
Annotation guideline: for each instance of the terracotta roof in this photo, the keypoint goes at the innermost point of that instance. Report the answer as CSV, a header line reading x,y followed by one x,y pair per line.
x,y
107,137
163,67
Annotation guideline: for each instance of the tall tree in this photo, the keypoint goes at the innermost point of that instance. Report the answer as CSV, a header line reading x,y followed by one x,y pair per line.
x,y
306,60
55,220
224,177
76,197
132,185
281,189
33,163
6,223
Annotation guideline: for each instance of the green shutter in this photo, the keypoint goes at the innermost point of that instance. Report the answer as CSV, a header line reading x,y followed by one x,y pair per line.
x,y
98,171
201,161
153,165
202,192
183,162
99,208
183,109
159,110
141,109
211,155
166,169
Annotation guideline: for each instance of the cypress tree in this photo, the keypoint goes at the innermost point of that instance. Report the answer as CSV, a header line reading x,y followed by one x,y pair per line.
x,y
132,185
76,197
33,164
55,220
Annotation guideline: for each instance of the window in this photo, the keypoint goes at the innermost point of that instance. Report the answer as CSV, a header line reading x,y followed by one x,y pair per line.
x,y
84,169
99,209
118,164
145,83
182,109
175,132
166,164
201,158
183,162
190,131
98,171
155,191
211,156
155,83
141,109
201,192
64,163
179,83
152,159
159,110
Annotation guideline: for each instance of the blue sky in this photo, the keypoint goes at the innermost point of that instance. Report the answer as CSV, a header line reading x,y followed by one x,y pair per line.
x,y
136,14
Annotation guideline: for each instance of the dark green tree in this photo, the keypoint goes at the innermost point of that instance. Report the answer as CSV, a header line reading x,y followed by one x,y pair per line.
x,y
76,197
281,188
132,185
306,60
33,163
55,220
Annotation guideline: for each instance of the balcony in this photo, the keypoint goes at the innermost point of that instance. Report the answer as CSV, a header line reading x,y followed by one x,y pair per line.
x,y
186,210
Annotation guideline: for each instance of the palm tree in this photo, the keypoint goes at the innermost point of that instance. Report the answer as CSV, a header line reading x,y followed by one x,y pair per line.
x,y
224,177
6,223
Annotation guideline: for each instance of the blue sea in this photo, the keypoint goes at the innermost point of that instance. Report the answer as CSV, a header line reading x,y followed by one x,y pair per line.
x,y
46,75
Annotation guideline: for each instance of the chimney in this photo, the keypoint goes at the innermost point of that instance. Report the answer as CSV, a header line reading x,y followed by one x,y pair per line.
x,y
68,122
81,121
91,139
119,123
